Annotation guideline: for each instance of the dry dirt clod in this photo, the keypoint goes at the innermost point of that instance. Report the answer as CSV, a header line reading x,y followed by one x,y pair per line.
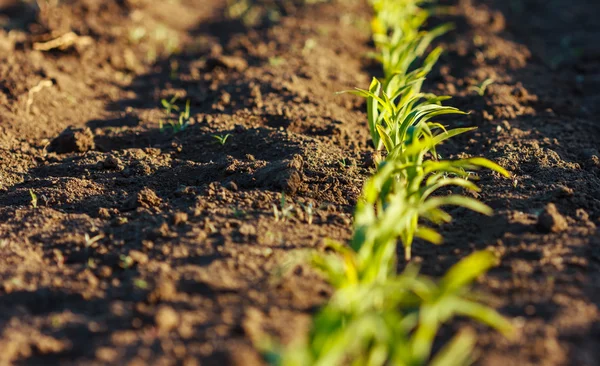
x,y
73,140
166,318
228,62
550,220
147,198
247,230
180,218
111,162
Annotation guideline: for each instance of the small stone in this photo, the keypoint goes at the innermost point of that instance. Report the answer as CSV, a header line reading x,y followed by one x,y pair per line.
x,y
227,62
111,162
232,186
164,291
147,198
550,220
73,140
166,318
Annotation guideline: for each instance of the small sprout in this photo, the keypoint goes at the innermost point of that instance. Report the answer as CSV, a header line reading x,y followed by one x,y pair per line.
x,y
309,211
284,211
90,241
170,105
56,321
480,89
309,45
140,283
34,199
125,261
221,139
276,61
181,123
91,264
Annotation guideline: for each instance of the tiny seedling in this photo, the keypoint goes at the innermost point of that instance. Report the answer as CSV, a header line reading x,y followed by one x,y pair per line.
x,y
125,261
221,139
169,105
140,283
181,123
34,199
276,61
285,211
481,88
309,212
90,241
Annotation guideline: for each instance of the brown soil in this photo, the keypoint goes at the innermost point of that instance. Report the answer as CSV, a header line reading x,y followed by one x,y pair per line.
x,y
150,247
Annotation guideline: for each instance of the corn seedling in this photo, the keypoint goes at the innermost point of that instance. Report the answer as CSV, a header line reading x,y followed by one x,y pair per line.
x,y
284,211
481,88
169,105
390,117
394,321
181,123
89,241
415,180
221,139
34,199
309,212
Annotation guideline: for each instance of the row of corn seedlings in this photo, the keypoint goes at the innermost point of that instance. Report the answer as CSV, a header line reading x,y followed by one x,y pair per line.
x,y
377,316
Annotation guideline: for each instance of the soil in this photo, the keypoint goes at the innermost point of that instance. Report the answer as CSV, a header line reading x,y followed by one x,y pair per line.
x,y
162,247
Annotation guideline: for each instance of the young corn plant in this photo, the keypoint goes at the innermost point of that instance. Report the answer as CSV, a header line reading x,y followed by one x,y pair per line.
x,y
176,125
390,117
394,321
400,42
409,177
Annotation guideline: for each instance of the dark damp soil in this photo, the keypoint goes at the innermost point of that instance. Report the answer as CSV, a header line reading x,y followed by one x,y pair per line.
x,y
162,247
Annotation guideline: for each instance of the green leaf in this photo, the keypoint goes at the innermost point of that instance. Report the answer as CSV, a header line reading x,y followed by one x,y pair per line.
x,y
458,351
387,141
485,163
430,235
467,270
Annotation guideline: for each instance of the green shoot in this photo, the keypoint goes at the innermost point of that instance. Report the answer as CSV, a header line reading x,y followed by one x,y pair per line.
x,y
169,105
481,88
390,117
394,321
181,123
221,139
34,199
284,211
309,212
